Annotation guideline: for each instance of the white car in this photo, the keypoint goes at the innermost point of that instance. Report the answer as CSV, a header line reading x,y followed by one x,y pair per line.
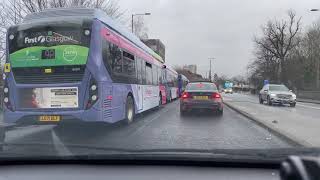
x,y
228,90
277,94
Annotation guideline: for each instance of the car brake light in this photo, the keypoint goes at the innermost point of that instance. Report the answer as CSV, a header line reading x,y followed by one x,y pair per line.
x,y
185,95
215,96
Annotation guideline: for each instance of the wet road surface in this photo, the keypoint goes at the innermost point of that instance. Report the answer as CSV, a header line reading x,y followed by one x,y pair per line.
x,y
162,128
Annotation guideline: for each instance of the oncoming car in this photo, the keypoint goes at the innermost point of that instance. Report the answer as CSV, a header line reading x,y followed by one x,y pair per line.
x,y
228,90
277,93
201,95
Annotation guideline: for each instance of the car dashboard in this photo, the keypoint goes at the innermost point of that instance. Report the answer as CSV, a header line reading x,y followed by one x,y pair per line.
x,y
138,172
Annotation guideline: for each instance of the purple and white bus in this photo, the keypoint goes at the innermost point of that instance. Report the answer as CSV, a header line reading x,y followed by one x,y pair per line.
x,y
170,83
78,64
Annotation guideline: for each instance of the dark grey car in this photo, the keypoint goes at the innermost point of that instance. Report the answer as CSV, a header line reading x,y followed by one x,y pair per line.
x,y
201,95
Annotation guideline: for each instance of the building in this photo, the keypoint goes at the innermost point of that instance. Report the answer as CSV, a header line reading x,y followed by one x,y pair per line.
x,y
157,46
192,68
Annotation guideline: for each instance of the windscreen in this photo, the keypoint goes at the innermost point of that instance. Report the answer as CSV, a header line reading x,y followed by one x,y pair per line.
x,y
278,88
235,80
201,86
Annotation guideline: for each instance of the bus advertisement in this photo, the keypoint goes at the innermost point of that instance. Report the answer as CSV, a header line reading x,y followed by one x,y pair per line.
x,y
65,64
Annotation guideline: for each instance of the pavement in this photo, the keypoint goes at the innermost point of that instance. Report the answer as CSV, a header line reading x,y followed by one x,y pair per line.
x,y
299,124
162,128
308,100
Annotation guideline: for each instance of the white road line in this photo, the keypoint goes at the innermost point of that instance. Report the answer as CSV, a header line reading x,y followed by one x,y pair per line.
x,y
59,146
228,99
312,107
137,131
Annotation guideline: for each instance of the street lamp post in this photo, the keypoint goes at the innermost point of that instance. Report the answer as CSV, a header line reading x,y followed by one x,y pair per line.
x,y
143,14
210,71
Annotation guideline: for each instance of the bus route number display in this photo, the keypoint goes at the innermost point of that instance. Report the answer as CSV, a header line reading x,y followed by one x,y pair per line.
x,y
48,54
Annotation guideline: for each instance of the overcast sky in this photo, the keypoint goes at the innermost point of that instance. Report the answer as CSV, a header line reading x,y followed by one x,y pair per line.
x,y
194,30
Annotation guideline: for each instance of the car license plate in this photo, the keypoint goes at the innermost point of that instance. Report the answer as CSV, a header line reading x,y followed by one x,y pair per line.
x,y
49,118
200,97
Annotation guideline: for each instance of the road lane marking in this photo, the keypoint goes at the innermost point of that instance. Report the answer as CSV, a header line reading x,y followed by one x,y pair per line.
x,y
59,146
306,106
228,99
137,131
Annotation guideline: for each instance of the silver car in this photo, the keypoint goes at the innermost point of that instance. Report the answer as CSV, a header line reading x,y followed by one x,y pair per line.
x,y
277,94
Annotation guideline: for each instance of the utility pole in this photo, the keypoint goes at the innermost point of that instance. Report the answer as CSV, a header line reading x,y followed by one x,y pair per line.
x,y
210,71
132,23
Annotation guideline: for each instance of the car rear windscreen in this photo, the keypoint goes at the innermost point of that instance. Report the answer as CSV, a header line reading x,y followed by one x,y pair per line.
x,y
201,86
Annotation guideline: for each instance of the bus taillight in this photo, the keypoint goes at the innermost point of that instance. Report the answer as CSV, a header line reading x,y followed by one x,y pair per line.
x,y
93,93
6,98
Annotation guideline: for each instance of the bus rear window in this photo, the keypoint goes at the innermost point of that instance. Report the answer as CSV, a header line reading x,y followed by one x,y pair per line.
x,y
47,37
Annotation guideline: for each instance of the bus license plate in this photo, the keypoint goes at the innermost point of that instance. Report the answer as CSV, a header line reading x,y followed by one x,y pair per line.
x,y
49,118
200,97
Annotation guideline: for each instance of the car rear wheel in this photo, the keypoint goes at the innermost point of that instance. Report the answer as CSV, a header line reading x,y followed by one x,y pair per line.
x,y
260,99
129,110
220,112
160,100
269,101
293,105
182,113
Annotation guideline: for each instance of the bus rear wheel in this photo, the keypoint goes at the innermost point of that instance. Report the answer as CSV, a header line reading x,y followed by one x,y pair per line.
x,y
129,116
160,100
170,97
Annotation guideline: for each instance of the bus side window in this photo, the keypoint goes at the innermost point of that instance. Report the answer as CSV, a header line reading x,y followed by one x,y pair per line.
x,y
139,70
128,64
112,59
170,79
155,75
159,75
149,74
175,81
143,72
116,58
106,55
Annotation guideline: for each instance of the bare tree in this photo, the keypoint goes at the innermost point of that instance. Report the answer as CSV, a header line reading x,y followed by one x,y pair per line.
x,y
13,11
139,28
279,38
311,53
